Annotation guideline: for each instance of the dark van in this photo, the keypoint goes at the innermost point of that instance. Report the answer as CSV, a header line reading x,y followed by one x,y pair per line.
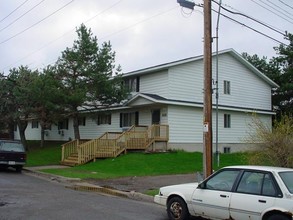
x,y
12,154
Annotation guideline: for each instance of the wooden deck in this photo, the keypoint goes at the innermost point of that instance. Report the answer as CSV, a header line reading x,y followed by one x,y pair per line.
x,y
112,144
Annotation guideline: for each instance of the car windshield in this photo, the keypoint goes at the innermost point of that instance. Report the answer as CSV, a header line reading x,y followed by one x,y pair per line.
x,y
11,146
287,178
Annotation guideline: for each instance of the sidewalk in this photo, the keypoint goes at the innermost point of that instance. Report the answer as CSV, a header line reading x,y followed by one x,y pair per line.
x,y
130,187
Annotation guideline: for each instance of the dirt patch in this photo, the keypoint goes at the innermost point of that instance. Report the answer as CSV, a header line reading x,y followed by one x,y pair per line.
x,y
145,183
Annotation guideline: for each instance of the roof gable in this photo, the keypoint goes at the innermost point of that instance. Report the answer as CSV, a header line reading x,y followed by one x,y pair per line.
x,y
231,52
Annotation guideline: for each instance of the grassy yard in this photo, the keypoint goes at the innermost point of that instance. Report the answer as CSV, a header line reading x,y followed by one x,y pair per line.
x,y
131,164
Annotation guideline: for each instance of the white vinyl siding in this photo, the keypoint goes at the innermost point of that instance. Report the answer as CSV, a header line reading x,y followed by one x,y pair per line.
x,y
155,83
186,82
185,124
249,91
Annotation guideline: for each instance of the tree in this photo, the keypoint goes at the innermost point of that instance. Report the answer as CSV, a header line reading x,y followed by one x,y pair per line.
x,y
16,98
280,70
47,98
88,75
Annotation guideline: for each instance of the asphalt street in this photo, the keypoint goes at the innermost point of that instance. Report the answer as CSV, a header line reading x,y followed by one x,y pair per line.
x,y
25,196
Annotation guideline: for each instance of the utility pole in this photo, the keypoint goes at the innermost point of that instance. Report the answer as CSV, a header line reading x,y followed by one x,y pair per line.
x,y
207,104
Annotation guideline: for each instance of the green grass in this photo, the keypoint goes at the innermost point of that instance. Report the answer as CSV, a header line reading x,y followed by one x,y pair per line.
x,y
50,154
140,164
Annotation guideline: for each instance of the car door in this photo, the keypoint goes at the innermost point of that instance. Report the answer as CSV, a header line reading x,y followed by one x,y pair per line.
x,y
212,198
255,193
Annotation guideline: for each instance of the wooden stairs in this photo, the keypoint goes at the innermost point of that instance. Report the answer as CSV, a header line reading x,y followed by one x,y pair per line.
x,y
112,144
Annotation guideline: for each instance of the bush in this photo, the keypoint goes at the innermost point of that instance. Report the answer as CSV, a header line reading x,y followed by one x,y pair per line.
x,y
276,145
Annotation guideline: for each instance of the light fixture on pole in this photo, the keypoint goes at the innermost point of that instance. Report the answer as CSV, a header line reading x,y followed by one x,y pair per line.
x,y
186,4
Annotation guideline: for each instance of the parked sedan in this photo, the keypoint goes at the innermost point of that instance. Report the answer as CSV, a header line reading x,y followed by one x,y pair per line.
x,y
235,192
12,154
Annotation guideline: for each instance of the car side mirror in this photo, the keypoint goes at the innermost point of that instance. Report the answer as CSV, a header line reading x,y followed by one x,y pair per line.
x,y
202,185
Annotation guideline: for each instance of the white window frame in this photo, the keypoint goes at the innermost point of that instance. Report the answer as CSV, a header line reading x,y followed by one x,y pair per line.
x,y
227,87
227,121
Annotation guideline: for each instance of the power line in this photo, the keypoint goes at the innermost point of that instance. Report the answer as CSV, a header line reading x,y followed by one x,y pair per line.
x,y
251,18
51,42
271,11
244,25
14,10
285,4
2,42
275,8
279,7
22,15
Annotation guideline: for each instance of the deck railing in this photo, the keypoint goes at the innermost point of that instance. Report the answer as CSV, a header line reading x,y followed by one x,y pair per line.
x,y
111,144
70,148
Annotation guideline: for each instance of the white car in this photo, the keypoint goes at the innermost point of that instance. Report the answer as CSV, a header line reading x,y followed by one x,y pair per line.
x,y
235,192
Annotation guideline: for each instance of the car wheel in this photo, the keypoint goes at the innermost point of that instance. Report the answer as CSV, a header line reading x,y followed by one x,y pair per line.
x,y
177,209
18,169
278,217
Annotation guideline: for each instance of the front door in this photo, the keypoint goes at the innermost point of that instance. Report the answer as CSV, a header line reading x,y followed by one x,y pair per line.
x,y
156,116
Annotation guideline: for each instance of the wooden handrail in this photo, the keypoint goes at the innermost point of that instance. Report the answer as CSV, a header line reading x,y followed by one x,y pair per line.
x,y
111,144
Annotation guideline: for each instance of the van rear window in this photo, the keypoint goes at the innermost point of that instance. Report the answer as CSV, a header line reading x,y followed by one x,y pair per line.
x,y
11,146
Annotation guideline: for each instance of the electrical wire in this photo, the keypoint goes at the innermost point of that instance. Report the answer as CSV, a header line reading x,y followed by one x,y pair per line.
x,y
21,32
287,13
21,16
285,4
14,10
274,8
253,29
271,11
68,32
253,19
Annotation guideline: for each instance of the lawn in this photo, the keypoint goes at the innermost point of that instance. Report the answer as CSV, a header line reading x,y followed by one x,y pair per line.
x,y
131,164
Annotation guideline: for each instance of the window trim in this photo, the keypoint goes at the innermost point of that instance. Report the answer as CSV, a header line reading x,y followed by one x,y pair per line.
x,y
227,87
227,120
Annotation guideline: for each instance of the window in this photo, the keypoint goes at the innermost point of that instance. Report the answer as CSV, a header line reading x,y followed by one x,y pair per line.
x,y
104,119
81,121
257,183
227,121
35,124
132,84
128,119
227,88
63,124
227,150
223,181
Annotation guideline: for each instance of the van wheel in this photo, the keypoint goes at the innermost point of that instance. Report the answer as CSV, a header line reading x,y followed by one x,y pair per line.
x,y
177,209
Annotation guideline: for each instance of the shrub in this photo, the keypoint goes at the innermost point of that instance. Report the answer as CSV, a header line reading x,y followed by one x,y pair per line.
x,y
276,144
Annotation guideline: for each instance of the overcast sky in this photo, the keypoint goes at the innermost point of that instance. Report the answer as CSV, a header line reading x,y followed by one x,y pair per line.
x,y
143,33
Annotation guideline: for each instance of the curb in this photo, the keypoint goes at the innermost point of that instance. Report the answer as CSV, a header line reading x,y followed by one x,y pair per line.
x,y
80,185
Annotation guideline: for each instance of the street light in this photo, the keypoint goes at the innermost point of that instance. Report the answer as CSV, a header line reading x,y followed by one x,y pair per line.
x,y
186,4
207,104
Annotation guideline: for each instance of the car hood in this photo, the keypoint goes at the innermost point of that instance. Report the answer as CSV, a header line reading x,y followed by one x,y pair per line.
x,y
184,190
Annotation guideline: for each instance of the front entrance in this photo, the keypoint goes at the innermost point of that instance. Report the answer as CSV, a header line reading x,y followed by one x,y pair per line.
x,y
156,118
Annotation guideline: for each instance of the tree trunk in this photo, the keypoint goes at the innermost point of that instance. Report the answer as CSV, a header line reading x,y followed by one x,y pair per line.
x,y
76,127
11,129
42,136
22,126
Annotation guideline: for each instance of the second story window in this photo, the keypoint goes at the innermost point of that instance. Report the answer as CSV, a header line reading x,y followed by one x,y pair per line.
x,y
132,84
227,87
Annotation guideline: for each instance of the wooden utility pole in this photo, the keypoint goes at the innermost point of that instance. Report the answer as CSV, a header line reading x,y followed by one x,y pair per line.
x,y
207,108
